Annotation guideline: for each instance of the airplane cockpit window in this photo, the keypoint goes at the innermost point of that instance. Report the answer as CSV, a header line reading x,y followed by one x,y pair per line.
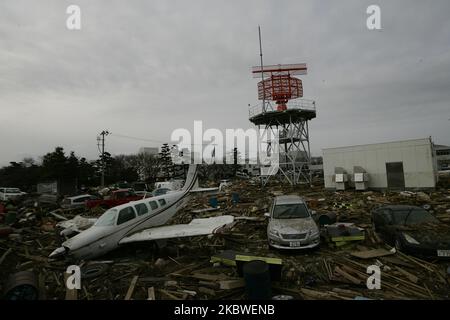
x,y
153,205
126,214
141,209
162,202
107,219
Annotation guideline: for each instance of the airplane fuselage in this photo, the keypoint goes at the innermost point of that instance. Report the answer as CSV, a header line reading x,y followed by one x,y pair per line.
x,y
98,240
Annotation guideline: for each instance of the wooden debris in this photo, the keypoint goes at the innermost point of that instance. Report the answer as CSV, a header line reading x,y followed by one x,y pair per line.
x,y
410,276
170,294
131,288
207,291
231,284
347,276
209,277
151,293
369,254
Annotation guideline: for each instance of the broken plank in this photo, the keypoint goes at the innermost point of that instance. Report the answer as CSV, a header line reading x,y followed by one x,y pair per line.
x,y
350,293
410,276
131,288
315,294
231,284
207,291
151,293
209,284
169,294
369,254
414,260
209,277
429,292
396,261
347,276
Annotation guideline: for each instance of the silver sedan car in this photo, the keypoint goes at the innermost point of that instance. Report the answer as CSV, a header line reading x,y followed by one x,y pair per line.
x,y
291,225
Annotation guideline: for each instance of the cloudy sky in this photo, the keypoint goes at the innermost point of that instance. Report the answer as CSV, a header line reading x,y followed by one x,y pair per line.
x,y
145,68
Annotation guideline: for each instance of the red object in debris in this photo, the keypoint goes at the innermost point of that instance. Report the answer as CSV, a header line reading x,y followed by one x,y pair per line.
x,y
2,208
118,197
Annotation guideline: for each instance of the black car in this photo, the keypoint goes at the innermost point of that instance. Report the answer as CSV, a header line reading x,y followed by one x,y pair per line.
x,y
412,230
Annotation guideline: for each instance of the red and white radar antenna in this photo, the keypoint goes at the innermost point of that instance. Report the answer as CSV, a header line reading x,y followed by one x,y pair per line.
x,y
278,83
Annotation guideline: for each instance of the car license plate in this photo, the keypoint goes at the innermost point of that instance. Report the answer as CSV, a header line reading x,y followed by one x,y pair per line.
x,y
443,253
294,244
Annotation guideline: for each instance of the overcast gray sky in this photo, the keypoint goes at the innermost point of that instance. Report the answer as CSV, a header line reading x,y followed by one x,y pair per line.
x,y
145,68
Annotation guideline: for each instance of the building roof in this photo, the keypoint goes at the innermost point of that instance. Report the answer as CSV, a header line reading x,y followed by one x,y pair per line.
x,y
372,144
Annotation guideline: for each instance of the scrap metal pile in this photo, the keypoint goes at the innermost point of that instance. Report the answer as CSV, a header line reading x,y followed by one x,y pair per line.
x,y
208,267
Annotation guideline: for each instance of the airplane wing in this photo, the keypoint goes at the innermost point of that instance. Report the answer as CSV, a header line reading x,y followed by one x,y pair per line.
x,y
197,227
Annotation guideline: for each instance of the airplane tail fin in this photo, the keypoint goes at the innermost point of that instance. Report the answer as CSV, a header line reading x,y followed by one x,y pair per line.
x,y
191,178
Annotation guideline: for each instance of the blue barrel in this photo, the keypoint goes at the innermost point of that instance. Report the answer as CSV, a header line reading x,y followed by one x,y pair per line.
x,y
213,202
257,280
235,197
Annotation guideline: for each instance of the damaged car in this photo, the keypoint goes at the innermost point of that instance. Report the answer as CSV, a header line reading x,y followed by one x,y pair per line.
x,y
412,230
291,225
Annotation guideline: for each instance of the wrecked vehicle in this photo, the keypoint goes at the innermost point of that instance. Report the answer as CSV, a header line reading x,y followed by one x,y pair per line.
x,y
76,201
412,230
291,224
117,198
10,193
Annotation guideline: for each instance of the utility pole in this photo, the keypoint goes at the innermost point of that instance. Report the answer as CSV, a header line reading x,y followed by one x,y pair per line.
x,y
101,141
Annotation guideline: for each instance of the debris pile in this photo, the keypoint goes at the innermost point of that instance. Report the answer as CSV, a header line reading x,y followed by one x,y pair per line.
x,y
210,267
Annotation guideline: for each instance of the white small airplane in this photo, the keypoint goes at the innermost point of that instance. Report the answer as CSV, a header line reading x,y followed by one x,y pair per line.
x,y
141,221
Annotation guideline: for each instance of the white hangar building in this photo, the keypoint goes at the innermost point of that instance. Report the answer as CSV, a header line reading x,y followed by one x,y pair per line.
x,y
400,165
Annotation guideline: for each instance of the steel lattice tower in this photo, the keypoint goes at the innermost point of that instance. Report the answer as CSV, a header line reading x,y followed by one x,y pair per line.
x,y
282,109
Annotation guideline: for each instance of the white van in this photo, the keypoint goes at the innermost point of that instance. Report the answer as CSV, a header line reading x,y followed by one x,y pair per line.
x,y
172,185
10,193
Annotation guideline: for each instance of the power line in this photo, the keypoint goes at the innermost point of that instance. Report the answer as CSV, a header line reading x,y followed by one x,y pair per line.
x,y
136,138
156,141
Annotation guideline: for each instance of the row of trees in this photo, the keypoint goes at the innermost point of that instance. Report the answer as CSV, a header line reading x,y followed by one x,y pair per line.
x,y
59,166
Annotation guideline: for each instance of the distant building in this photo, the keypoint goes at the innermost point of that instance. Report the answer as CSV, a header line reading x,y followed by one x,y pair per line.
x,y
149,151
442,157
396,165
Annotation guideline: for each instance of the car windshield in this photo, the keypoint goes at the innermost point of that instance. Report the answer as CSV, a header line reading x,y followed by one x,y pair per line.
x,y
413,216
290,211
107,219
12,190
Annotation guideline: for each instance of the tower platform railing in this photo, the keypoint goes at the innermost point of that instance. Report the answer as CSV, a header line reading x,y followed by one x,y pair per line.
x,y
270,106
